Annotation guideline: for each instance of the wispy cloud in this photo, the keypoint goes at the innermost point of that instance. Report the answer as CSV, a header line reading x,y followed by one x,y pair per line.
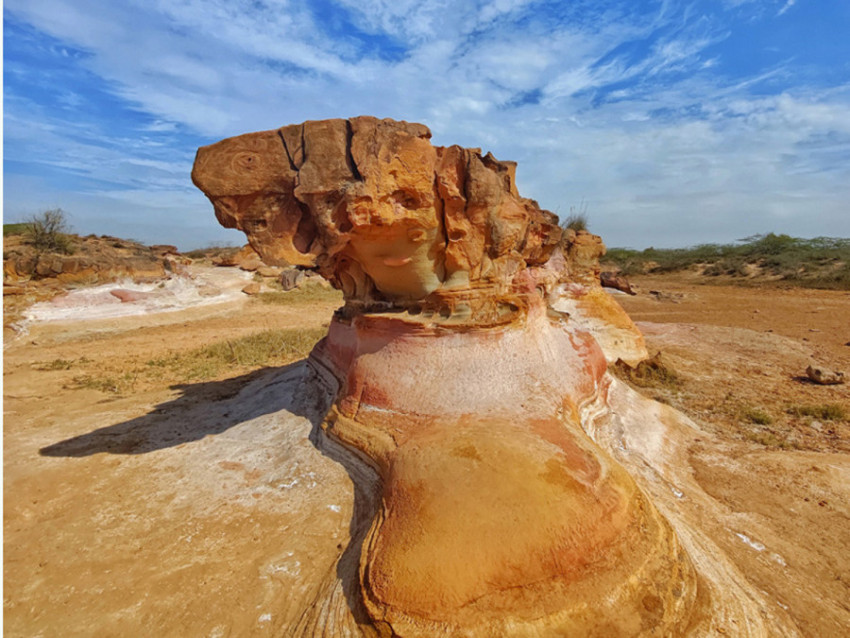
x,y
786,6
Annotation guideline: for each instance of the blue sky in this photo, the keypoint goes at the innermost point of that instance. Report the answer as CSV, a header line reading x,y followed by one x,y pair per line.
x,y
670,123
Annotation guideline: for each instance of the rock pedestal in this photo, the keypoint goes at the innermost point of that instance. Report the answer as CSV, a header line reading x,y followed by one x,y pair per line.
x,y
472,343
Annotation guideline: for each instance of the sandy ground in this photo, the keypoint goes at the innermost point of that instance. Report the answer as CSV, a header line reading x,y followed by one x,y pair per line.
x,y
205,509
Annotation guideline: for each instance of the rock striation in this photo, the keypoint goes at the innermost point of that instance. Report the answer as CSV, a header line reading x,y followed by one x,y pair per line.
x,y
471,349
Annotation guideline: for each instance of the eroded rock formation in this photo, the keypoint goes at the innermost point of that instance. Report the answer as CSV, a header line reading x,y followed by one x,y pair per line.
x,y
471,348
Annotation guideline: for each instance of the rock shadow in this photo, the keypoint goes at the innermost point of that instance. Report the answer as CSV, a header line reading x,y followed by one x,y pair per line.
x,y
201,409
213,407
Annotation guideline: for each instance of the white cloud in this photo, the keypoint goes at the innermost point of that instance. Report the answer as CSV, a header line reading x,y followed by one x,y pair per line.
x,y
628,112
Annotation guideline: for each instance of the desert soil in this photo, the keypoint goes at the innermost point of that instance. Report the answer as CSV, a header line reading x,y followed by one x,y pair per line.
x,y
185,509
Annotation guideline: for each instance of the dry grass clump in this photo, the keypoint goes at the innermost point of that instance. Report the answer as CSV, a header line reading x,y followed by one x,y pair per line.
x,y
266,348
756,415
55,364
230,357
649,373
823,412
770,439
110,383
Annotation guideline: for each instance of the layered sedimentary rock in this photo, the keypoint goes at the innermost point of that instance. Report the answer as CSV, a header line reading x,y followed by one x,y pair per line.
x,y
472,343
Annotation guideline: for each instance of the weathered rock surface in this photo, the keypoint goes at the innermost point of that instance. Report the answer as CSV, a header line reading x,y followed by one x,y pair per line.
x,y
616,281
470,350
825,377
94,260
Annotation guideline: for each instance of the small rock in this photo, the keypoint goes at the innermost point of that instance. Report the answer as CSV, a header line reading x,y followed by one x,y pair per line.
x,y
291,278
616,281
824,377
252,289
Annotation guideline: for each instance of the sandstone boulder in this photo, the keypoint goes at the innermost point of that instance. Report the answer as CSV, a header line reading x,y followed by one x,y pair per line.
x,y
268,271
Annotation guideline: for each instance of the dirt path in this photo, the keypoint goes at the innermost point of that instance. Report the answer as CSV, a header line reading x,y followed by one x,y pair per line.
x,y
203,509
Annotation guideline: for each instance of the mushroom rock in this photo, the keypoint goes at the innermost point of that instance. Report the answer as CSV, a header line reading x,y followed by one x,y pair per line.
x,y
471,347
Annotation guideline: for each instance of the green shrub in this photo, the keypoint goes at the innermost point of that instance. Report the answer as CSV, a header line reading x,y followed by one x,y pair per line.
x,y
822,262
47,231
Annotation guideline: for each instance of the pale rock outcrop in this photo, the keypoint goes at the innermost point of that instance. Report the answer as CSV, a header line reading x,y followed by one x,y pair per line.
x,y
469,353
822,376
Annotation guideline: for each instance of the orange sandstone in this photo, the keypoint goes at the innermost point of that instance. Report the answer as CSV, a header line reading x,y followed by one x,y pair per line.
x,y
473,339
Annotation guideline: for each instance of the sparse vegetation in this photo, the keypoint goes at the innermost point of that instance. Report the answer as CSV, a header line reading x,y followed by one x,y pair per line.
x,y
756,415
261,349
576,222
47,231
823,412
270,347
770,439
113,384
577,219
15,229
56,364
822,262
307,293
212,251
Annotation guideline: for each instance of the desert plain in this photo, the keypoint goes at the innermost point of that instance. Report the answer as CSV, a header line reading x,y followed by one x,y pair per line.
x,y
152,490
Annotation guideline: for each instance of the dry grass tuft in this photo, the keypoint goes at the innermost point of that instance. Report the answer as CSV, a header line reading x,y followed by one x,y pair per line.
x,y
756,415
823,412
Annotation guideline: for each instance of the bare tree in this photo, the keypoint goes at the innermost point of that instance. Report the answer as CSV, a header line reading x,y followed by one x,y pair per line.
x,y
47,231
